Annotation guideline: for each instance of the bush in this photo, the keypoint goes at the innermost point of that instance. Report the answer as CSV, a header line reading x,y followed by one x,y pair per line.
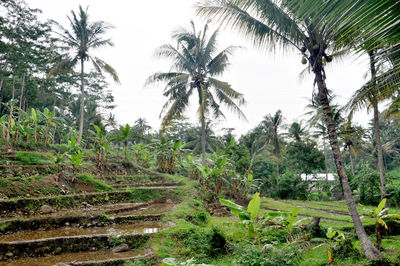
x,y
201,244
98,185
393,189
291,186
30,158
367,184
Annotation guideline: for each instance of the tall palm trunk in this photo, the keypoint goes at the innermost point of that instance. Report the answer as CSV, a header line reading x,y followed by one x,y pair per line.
x,y
326,158
377,131
82,102
379,150
351,163
1,90
13,88
22,95
370,250
203,141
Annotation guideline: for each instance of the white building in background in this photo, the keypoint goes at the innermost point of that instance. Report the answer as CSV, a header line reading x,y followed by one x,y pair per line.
x,y
318,177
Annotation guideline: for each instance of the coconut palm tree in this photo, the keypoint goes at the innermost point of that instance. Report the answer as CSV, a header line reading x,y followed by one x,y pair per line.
x,y
269,24
195,65
297,131
317,121
83,37
369,97
271,124
353,143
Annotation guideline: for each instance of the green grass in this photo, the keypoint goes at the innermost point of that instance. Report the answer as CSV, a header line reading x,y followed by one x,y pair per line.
x,y
98,185
31,158
322,209
4,182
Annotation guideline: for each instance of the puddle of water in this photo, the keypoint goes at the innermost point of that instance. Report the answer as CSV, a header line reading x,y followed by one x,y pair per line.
x,y
120,229
74,257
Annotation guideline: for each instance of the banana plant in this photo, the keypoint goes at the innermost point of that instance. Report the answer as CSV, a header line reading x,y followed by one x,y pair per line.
x,y
167,152
192,165
3,126
142,154
56,159
48,121
338,237
11,106
76,159
246,216
101,146
34,118
381,217
72,147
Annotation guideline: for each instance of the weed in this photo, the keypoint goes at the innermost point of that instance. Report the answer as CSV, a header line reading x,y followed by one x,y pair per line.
x,y
104,217
114,241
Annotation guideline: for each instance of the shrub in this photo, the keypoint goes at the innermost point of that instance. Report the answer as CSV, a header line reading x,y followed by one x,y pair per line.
x,y
367,184
201,244
98,185
291,186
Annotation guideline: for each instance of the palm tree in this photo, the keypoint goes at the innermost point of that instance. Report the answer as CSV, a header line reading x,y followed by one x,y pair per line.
x,y
369,96
271,125
85,36
276,23
196,63
297,131
316,121
111,121
352,135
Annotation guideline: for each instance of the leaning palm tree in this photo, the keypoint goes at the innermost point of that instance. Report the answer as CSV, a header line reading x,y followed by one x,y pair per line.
x,y
83,37
268,24
195,64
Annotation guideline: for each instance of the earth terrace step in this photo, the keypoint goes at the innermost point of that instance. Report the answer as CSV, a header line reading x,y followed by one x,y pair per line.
x,y
135,194
152,184
39,244
142,212
103,258
14,170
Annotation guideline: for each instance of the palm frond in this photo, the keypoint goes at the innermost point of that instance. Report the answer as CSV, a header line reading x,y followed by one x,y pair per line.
x,y
102,65
257,20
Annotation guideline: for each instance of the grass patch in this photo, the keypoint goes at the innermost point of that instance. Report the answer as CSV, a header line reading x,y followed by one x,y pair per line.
x,y
31,158
98,185
4,182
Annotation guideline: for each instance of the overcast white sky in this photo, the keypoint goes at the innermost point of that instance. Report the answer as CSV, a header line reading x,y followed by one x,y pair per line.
x,y
269,82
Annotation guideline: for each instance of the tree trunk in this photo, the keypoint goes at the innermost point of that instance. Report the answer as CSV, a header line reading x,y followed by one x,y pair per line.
x,y
326,159
22,95
1,91
82,111
13,89
203,141
351,163
370,251
379,151
377,132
